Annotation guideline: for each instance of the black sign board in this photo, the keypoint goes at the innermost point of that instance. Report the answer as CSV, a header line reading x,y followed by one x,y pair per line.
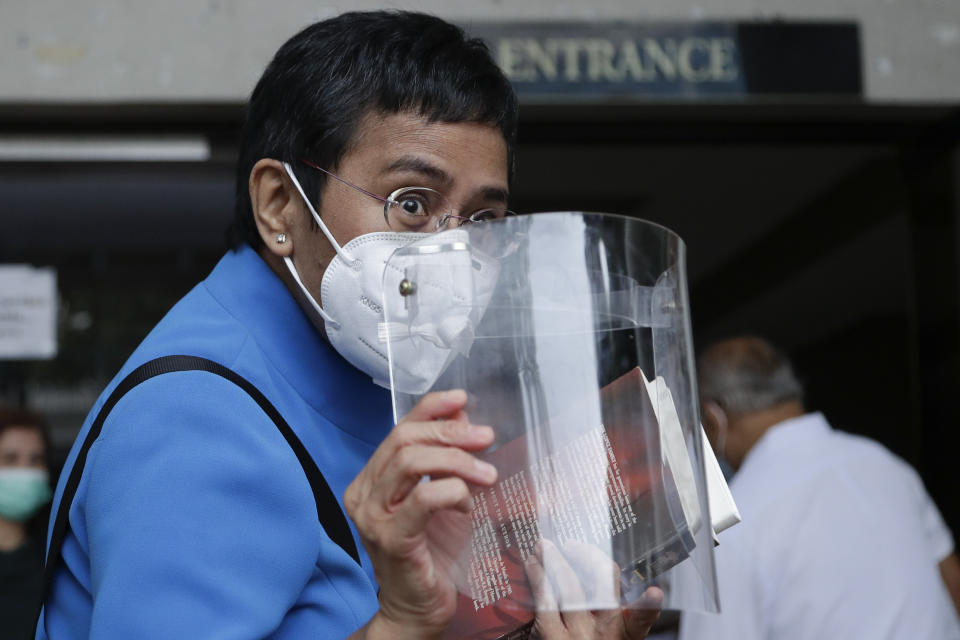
x,y
698,60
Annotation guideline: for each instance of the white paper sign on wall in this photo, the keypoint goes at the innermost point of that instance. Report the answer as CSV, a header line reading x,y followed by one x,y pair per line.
x,y
28,312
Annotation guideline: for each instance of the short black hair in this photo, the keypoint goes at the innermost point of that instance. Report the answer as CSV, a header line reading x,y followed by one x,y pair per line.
x,y
11,417
325,79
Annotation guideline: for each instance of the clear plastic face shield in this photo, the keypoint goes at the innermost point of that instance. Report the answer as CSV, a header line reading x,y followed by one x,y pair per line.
x,y
570,333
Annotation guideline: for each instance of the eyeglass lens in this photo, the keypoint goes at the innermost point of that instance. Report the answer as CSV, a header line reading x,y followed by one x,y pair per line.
x,y
423,209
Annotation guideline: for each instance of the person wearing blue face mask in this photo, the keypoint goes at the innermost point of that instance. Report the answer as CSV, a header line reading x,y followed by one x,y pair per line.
x,y
24,492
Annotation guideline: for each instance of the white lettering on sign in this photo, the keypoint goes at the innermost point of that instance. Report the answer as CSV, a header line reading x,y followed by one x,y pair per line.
x,y
588,60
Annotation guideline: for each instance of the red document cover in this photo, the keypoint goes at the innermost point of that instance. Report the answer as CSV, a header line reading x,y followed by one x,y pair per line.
x,y
631,509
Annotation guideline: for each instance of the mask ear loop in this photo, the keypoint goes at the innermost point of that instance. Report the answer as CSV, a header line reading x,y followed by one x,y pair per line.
x,y
328,320
316,216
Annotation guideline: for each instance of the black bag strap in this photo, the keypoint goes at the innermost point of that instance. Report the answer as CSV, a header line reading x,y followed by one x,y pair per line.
x,y
329,512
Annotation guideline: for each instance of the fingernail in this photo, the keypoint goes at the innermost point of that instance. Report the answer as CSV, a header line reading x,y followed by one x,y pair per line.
x,y
484,433
487,470
455,395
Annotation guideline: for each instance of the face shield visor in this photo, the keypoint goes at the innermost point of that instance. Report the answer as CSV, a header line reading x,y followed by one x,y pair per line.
x,y
570,333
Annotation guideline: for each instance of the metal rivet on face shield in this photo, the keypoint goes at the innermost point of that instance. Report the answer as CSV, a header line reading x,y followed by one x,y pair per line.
x,y
407,288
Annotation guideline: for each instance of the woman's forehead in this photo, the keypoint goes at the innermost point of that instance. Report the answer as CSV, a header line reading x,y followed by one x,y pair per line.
x,y
405,142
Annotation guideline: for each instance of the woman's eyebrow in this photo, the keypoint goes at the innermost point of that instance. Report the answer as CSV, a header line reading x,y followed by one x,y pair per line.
x,y
413,164
495,194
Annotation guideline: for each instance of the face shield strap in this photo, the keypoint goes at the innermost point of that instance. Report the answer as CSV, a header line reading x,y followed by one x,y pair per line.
x,y
323,227
637,305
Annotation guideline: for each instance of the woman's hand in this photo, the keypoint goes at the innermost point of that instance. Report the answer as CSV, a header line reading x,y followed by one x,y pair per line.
x,y
568,586
391,504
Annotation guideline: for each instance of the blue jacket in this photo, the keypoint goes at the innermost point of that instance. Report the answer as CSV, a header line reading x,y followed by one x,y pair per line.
x,y
194,518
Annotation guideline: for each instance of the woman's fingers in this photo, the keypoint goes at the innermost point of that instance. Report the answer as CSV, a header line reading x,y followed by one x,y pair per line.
x,y
565,581
437,404
598,573
637,622
432,407
410,464
427,498
438,419
549,623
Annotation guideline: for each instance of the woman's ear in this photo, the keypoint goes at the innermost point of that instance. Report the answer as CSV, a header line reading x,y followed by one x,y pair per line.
x,y
273,200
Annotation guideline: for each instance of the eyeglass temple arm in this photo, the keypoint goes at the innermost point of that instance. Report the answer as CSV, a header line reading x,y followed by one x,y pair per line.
x,y
347,182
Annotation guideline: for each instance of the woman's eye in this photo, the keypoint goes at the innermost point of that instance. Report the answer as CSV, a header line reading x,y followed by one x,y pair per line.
x,y
483,216
487,214
413,207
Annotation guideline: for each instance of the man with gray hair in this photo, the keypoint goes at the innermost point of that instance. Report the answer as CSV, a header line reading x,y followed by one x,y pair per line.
x,y
839,538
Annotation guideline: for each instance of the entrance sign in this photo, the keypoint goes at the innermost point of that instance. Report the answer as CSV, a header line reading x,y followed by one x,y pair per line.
x,y
597,61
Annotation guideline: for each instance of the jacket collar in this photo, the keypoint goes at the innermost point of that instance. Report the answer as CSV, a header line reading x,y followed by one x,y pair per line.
x,y
253,294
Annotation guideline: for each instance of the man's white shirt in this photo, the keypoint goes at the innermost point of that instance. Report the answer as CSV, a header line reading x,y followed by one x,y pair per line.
x,y
839,539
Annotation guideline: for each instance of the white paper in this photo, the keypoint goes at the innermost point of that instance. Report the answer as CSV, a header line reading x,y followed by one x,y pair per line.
x,y
723,510
28,312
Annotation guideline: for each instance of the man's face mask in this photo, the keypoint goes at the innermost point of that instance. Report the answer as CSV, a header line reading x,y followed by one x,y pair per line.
x,y
351,303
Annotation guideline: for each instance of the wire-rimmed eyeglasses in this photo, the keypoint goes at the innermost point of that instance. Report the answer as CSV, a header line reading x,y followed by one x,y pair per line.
x,y
419,208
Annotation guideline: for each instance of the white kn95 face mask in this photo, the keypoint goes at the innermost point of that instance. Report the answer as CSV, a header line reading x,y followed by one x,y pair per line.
x,y
351,306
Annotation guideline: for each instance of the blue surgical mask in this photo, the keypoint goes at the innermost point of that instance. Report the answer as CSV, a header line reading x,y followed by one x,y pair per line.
x,y
22,492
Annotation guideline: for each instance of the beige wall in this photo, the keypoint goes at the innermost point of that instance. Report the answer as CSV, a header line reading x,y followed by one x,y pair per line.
x,y
213,50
